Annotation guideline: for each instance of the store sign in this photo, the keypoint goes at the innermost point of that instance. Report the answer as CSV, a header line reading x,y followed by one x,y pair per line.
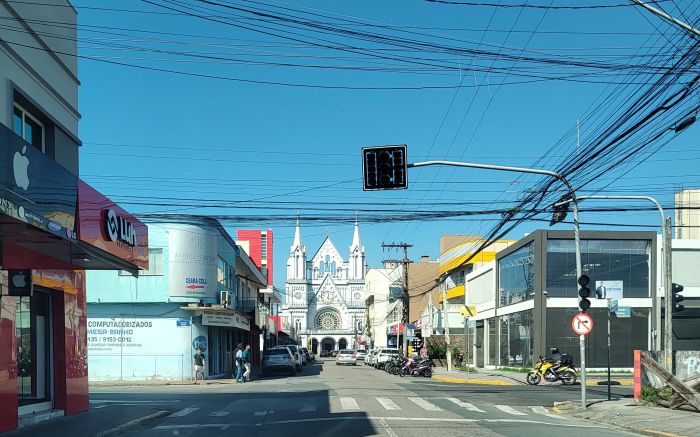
x,y
227,320
609,289
134,336
107,226
34,188
192,262
19,282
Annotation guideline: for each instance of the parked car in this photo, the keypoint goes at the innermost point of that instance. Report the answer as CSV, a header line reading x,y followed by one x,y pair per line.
x,y
346,356
371,357
278,359
325,354
334,353
361,354
298,356
383,355
309,356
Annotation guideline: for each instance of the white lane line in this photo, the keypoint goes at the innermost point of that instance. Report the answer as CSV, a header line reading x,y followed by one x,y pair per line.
x,y
425,404
466,405
349,404
219,413
261,413
308,408
384,424
388,404
510,410
543,411
184,412
423,419
125,402
221,426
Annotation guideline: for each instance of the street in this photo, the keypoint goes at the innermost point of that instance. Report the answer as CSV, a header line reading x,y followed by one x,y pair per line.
x,y
326,400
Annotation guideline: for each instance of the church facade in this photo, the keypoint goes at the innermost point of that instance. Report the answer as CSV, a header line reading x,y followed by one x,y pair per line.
x,y
325,294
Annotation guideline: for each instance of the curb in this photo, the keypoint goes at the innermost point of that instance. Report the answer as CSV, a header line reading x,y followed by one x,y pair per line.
x,y
469,381
612,383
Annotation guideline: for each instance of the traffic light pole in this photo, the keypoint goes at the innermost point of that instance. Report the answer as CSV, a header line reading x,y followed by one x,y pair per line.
x,y
666,270
577,238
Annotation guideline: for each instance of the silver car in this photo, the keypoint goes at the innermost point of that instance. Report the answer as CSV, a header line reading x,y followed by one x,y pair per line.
x,y
346,356
361,354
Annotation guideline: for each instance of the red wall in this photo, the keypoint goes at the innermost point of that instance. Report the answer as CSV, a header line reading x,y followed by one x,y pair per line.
x,y
254,239
8,365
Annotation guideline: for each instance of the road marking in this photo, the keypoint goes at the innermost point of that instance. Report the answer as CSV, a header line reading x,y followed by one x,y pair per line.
x,y
219,413
510,410
125,402
221,426
466,405
386,427
262,413
308,408
543,411
349,404
425,404
184,412
424,419
388,404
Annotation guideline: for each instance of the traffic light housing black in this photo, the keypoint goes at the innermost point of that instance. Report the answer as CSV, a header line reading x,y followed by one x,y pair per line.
x,y
584,292
384,168
676,298
561,209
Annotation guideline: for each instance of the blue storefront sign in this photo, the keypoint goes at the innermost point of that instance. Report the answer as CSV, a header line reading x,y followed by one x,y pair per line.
x,y
182,323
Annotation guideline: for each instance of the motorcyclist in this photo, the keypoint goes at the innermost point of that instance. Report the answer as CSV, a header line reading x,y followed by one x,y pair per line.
x,y
557,362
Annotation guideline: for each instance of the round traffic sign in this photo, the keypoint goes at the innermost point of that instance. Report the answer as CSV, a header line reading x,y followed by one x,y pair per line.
x,y
582,324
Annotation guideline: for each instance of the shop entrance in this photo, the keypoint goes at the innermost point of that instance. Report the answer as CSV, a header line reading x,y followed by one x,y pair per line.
x,y
33,342
314,346
328,344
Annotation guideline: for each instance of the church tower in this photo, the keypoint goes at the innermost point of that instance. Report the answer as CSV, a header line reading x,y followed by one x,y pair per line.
x,y
296,263
356,260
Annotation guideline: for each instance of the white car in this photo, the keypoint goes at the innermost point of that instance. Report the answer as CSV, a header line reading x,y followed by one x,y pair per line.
x,y
370,357
383,356
361,354
298,356
346,356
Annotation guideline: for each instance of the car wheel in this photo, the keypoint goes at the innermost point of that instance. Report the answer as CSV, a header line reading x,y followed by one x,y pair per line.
x,y
293,373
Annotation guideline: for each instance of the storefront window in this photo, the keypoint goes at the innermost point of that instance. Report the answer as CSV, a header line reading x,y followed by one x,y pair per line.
x,y
492,341
516,339
626,335
617,268
516,276
33,344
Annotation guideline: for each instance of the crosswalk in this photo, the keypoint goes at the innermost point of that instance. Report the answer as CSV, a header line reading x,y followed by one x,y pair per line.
x,y
378,405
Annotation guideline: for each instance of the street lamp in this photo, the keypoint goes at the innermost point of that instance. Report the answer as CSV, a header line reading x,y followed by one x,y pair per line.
x,y
577,239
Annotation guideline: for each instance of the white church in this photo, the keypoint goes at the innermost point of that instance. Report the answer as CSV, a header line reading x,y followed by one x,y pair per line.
x,y
325,295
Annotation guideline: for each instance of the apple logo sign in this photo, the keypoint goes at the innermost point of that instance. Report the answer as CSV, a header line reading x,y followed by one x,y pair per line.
x,y
20,165
19,280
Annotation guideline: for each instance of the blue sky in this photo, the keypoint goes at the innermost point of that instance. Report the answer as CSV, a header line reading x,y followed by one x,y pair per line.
x,y
157,135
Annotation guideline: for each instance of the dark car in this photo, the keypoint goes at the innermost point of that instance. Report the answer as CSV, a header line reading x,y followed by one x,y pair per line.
x,y
325,354
334,353
278,359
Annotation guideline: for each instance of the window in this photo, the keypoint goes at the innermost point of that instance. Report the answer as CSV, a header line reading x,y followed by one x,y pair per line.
x,y
28,127
263,246
516,339
155,264
516,276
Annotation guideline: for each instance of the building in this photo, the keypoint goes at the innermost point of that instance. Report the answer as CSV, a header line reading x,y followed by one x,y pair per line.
x,y
201,291
54,226
258,245
325,294
527,297
688,215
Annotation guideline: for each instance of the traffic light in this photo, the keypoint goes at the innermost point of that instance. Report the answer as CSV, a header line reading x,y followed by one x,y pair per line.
x,y
676,298
561,209
584,292
384,168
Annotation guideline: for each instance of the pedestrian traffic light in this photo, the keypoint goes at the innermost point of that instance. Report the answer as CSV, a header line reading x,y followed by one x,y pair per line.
x,y
676,298
384,168
584,292
561,209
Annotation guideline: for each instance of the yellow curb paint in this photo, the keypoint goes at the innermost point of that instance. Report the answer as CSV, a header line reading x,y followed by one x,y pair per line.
x,y
469,381
556,410
653,432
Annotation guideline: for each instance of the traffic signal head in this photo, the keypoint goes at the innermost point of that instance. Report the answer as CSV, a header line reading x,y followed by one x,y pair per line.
x,y
676,298
561,209
584,292
384,168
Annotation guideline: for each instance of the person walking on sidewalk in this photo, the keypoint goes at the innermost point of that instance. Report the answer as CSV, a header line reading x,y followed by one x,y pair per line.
x,y
246,363
199,362
239,363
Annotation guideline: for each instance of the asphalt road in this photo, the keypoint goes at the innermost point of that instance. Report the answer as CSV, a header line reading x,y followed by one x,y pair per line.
x,y
325,400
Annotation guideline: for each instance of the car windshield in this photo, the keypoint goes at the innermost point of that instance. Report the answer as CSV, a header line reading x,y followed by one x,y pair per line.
x,y
277,352
292,348
346,352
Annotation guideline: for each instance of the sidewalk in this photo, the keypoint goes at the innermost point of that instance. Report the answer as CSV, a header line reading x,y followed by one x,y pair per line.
x,y
640,418
501,377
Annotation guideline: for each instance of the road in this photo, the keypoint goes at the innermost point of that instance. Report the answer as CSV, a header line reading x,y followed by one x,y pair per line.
x,y
325,400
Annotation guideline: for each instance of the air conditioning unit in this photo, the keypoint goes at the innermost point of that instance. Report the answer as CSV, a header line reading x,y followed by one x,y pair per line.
x,y
224,299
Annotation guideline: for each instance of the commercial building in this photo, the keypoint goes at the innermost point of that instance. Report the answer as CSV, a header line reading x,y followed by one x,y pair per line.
x,y
688,215
258,245
527,297
201,291
54,226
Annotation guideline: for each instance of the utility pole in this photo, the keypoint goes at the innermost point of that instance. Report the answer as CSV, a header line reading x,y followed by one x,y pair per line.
x,y
668,307
445,317
405,298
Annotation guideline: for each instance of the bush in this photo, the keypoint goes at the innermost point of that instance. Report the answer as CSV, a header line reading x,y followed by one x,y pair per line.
x,y
437,351
455,352
649,394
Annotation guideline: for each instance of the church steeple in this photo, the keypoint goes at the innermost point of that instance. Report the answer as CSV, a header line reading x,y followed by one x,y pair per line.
x,y
355,236
356,260
296,263
297,237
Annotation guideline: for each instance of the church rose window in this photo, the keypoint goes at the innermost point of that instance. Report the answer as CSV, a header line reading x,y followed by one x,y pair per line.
x,y
328,320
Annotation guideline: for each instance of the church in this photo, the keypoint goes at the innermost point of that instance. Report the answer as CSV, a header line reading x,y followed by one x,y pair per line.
x,y
325,294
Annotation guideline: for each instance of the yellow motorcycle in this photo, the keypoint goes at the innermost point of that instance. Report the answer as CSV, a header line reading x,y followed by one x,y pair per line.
x,y
551,371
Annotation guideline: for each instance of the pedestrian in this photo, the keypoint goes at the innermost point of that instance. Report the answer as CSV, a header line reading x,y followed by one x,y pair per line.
x,y
239,363
424,352
246,363
199,362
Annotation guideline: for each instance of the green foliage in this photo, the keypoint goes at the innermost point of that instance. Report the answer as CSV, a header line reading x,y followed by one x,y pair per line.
x,y
455,352
649,394
515,369
437,351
